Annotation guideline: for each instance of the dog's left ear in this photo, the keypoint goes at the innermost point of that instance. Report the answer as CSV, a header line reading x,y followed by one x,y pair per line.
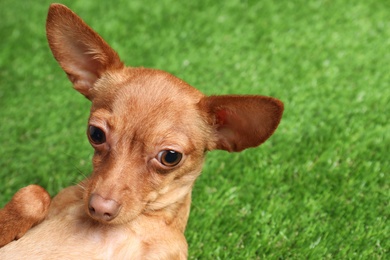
x,y
240,122
80,51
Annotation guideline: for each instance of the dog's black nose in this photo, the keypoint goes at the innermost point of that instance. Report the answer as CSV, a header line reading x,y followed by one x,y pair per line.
x,y
103,209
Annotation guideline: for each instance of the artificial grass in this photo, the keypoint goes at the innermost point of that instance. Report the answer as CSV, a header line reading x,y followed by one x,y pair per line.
x,y
318,189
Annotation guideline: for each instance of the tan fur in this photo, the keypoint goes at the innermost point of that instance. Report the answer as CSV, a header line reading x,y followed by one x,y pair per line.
x,y
132,206
28,207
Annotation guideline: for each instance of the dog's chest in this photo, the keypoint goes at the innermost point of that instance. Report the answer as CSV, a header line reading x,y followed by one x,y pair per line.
x,y
105,242
75,238
116,243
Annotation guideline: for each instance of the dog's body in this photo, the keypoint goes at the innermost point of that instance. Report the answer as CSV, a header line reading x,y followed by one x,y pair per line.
x,y
150,131
69,233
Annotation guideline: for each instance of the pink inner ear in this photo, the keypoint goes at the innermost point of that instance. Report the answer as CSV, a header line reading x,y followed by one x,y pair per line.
x,y
221,117
241,122
228,119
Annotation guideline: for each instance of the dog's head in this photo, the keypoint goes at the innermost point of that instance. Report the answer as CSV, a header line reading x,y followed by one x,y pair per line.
x,y
150,130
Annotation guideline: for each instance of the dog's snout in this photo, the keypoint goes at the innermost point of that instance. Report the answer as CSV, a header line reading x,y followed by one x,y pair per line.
x,y
103,209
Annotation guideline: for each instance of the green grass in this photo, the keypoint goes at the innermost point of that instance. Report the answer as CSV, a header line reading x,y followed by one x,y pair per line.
x,y
318,189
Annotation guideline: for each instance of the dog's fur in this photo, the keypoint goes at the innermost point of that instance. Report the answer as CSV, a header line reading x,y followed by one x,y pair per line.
x,y
150,131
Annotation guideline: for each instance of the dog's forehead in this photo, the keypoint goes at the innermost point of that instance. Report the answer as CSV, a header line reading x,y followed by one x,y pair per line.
x,y
149,87
149,102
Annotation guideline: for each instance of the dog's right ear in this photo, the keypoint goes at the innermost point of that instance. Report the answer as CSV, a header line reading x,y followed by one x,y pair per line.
x,y
80,51
240,122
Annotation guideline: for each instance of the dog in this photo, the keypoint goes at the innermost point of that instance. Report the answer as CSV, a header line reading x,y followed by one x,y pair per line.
x,y
150,132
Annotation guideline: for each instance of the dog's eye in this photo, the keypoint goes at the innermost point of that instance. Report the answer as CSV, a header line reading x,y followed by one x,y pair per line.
x,y
169,158
96,135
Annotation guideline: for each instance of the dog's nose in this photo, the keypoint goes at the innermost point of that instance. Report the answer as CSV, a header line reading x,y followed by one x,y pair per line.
x,y
103,209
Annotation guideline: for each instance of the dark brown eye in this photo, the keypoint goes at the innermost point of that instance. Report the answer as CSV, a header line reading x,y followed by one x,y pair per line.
x,y
169,158
96,135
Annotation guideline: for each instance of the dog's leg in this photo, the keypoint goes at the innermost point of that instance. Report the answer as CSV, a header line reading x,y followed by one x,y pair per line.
x,y
27,208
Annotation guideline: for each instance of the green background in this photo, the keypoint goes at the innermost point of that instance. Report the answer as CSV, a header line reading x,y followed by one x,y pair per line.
x,y
318,189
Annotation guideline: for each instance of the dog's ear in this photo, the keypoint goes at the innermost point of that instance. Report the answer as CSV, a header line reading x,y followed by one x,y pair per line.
x,y
80,51
240,122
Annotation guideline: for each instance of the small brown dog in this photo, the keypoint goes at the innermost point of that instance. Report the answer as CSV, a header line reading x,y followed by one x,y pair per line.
x,y
150,131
